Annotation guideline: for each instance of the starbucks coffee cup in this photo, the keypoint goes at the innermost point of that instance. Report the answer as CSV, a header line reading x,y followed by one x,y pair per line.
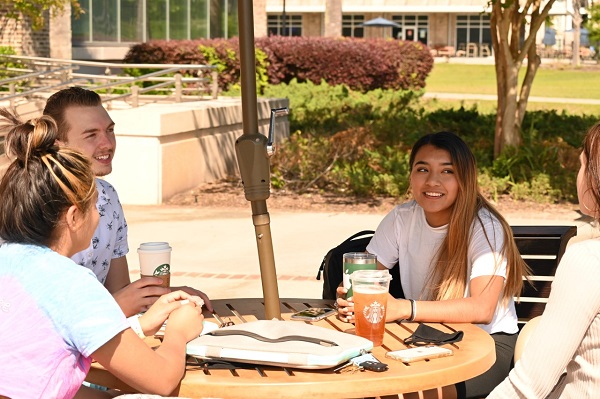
x,y
155,260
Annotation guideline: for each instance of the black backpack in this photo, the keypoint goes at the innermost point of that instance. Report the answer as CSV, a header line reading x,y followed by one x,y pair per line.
x,y
332,267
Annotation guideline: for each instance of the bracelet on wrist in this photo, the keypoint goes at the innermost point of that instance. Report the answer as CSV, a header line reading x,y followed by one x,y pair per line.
x,y
413,310
134,323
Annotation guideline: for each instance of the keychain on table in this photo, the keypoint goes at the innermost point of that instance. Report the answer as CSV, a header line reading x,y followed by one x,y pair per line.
x,y
365,361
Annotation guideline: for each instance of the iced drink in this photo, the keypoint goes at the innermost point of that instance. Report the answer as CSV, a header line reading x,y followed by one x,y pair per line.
x,y
155,261
370,303
354,261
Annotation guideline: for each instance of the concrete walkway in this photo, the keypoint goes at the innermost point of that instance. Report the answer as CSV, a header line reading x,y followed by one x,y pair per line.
x,y
494,97
215,251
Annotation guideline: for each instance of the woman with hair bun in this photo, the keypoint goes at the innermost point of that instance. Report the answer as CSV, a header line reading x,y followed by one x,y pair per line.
x,y
50,328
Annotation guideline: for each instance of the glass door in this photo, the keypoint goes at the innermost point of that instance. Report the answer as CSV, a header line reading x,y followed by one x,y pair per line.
x,y
410,33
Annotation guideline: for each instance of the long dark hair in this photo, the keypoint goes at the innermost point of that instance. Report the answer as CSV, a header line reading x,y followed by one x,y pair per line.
x,y
449,275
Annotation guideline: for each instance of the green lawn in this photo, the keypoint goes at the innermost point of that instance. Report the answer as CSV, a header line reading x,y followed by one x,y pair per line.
x,y
481,79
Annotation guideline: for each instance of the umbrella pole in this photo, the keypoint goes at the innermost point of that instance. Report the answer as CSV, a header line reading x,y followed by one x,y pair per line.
x,y
253,161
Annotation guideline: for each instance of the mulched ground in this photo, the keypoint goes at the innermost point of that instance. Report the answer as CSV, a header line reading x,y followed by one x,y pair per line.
x,y
230,194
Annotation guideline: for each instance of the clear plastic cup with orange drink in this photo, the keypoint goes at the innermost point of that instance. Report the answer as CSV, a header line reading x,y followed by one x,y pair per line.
x,y
371,289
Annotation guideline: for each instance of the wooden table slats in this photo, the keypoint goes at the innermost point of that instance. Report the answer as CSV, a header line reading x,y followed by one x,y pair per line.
x,y
472,356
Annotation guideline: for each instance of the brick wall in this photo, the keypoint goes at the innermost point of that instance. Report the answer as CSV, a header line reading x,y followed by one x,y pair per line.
x,y
312,24
260,18
333,18
19,35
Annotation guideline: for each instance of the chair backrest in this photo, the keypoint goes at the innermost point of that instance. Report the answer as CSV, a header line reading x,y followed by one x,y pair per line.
x,y
541,247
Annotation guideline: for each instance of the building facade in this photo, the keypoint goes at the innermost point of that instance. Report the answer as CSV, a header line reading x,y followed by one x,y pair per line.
x,y
108,28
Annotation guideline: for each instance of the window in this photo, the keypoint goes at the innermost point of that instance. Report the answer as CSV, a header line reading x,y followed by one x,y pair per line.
x,y
473,29
232,19
178,19
132,22
81,25
413,28
352,25
199,19
104,20
292,26
141,20
156,11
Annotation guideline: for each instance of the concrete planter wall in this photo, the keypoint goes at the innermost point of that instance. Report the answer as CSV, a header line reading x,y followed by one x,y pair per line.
x,y
166,149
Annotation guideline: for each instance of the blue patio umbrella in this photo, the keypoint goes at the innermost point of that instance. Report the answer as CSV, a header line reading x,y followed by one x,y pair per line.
x,y
549,37
584,36
381,23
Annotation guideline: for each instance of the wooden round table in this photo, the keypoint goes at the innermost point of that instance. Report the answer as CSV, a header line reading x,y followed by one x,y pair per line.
x,y
472,356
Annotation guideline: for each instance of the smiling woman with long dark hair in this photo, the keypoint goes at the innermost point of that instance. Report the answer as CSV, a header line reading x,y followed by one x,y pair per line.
x,y
457,257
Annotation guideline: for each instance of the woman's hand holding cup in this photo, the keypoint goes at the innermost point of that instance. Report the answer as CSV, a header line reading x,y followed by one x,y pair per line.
x,y
345,308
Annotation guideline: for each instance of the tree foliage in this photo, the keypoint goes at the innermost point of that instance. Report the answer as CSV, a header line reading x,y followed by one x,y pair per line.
x,y
514,25
593,25
35,9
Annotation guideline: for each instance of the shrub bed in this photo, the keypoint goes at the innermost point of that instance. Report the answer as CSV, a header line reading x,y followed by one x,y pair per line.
x,y
358,144
360,64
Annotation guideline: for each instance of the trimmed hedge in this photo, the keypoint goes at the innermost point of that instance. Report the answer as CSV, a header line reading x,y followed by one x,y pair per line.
x,y
360,64
359,144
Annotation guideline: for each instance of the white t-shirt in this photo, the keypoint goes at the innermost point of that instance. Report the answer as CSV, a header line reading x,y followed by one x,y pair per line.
x,y
404,236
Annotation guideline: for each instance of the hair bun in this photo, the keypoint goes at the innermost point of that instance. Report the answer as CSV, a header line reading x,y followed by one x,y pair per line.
x,y
36,137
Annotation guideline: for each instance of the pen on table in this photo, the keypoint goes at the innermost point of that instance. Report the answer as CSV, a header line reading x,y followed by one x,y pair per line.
x,y
216,316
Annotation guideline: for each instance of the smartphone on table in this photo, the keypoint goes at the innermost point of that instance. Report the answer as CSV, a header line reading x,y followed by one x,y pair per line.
x,y
419,353
313,314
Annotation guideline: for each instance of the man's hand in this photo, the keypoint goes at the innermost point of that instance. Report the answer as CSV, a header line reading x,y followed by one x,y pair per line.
x,y
153,319
195,292
140,295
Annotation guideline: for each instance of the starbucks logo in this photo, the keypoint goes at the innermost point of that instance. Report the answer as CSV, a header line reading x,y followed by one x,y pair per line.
x,y
162,270
374,313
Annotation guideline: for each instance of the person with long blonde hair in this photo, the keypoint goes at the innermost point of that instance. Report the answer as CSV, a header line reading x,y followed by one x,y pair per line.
x,y
457,258
51,328
561,358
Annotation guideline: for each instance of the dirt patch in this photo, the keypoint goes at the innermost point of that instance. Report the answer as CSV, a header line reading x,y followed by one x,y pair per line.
x,y
230,194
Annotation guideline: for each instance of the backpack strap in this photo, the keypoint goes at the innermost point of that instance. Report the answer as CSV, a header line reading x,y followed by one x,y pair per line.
x,y
360,233
352,237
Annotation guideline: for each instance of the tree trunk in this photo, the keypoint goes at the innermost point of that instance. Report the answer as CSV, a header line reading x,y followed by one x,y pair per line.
x,y
510,126
577,19
511,45
533,63
501,55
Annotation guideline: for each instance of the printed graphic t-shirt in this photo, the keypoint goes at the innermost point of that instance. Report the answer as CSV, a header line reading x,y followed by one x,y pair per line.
x,y
53,315
110,238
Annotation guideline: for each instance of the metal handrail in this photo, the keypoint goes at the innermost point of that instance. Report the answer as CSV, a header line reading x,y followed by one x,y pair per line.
x,y
110,64
36,74
119,82
126,78
12,97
